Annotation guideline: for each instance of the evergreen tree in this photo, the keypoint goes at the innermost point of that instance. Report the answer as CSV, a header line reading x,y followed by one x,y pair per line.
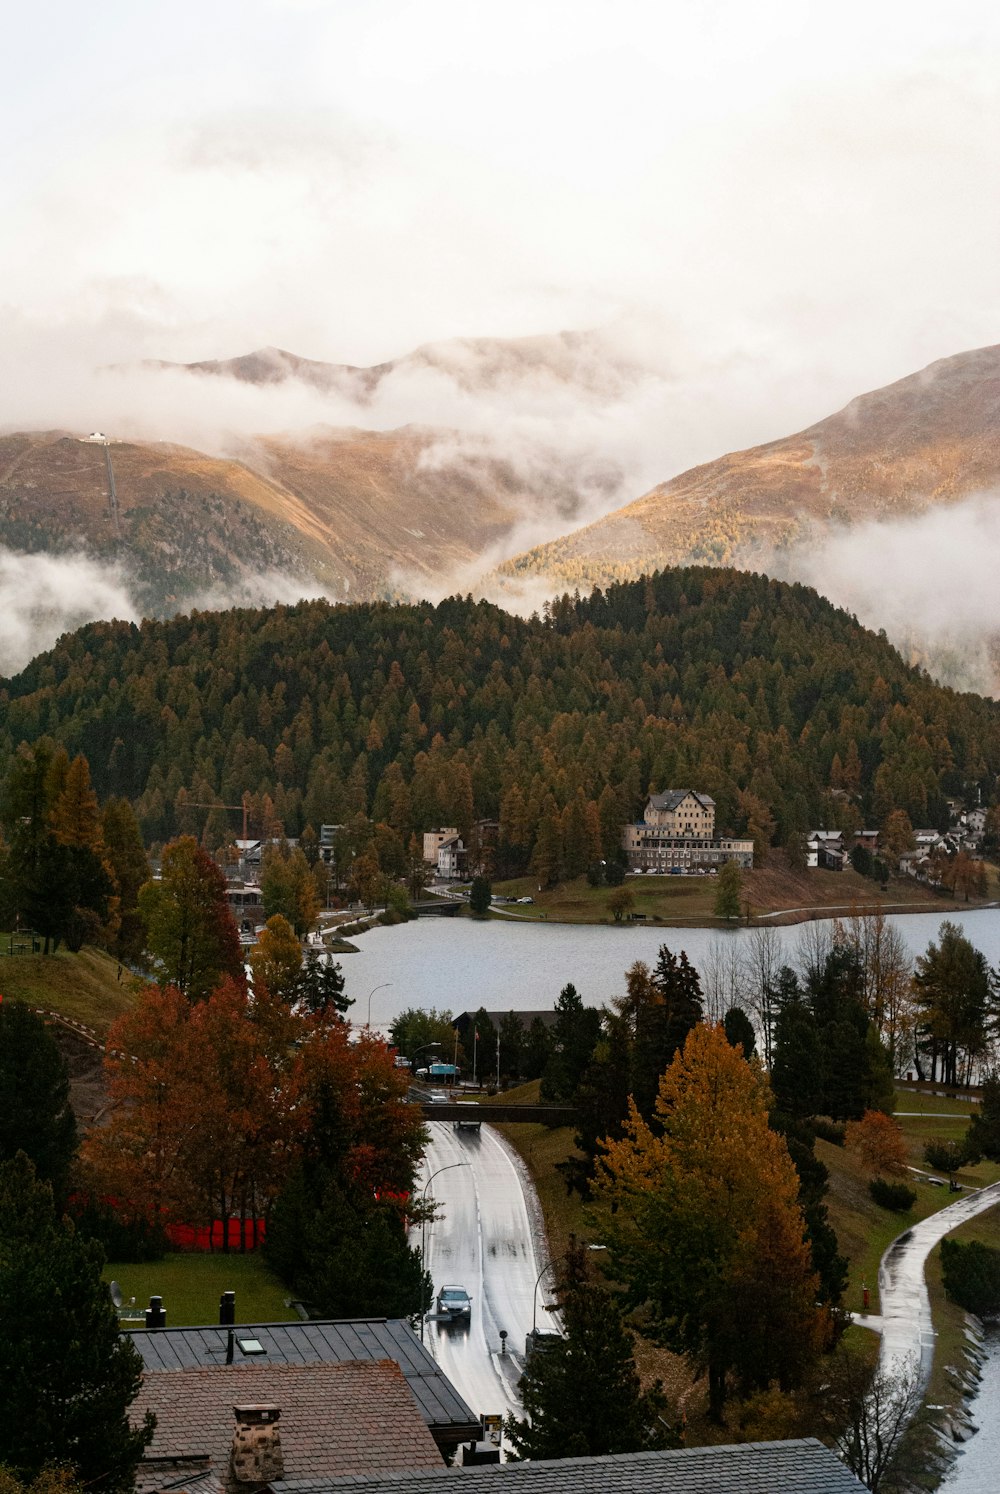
x,y
739,1030
727,891
582,1394
797,1062
512,1037
982,1139
574,1035
480,896
482,1044
68,1376
537,1050
665,1009
320,986
35,1113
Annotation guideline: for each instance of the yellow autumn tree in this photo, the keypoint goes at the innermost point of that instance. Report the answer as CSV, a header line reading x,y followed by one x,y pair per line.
x,y
704,1226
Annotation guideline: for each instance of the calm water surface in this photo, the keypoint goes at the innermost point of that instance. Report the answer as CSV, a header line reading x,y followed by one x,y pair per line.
x,y
504,965
977,1470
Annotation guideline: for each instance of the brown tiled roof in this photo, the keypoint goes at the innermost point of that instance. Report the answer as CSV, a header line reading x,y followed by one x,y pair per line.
x,y
336,1419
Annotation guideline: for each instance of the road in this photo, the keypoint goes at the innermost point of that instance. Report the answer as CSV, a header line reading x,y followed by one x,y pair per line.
x,y
483,1240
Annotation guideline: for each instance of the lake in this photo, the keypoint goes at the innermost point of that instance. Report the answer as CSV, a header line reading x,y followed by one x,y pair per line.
x,y
461,964
976,1470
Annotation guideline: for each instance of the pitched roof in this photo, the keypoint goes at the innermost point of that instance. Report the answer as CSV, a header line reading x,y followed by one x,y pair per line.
x,y
322,1342
336,1419
803,1466
670,798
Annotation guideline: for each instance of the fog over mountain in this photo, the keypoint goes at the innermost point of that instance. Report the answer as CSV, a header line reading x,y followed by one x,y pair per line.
x,y
529,262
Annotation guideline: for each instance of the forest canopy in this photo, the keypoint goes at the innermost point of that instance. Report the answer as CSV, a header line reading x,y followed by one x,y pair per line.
x,y
759,692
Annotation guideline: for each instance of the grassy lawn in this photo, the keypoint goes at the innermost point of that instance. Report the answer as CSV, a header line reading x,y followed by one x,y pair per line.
x,y
949,1319
83,986
691,900
191,1285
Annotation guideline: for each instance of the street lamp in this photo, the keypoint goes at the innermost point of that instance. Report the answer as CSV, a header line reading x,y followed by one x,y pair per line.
x,y
423,1049
384,986
423,1225
552,1261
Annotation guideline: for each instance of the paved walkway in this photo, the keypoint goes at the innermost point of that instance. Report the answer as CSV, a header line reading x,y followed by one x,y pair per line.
x,y
907,1330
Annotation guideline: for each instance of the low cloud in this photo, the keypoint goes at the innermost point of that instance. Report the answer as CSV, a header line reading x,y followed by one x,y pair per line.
x,y
929,581
44,596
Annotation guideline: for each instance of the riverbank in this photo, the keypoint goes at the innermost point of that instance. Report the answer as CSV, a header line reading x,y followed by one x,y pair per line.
x,y
774,894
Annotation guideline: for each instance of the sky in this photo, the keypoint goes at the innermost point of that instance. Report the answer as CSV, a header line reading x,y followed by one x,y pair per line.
x,y
808,190
769,206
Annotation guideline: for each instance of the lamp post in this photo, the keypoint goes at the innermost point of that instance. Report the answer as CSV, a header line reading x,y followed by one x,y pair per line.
x,y
553,1260
423,1226
384,986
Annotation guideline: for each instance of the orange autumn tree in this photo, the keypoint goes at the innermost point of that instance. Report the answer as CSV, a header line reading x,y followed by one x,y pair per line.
x,y
704,1226
878,1141
215,1102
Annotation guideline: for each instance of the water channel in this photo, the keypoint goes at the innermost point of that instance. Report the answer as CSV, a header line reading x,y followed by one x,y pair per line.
x,y
459,964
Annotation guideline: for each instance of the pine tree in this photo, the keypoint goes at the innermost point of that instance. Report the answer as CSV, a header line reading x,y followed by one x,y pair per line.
x,y
35,1113
582,1394
68,1376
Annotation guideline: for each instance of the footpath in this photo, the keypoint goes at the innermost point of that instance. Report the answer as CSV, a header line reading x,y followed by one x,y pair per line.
x,y
905,1322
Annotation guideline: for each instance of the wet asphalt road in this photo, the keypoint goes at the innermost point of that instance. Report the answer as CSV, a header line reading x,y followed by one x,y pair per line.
x,y
907,1330
482,1240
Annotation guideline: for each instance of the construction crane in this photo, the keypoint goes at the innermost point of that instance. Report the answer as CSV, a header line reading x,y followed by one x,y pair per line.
x,y
244,805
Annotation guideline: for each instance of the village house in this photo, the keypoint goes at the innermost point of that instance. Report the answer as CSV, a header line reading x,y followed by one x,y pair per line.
x,y
825,850
677,834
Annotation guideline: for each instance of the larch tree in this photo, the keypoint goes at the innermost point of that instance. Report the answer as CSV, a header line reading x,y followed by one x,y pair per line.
x,y
276,960
727,891
191,935
126,855
704,1226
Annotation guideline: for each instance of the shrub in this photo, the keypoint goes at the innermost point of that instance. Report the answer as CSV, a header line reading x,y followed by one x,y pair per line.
x,y
828,1130
895,1196
123,1239
971,1276
944,1156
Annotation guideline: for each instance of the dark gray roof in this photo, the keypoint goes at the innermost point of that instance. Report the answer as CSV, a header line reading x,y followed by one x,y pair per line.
x,y
804,1466
326,1342
547,1017
670,798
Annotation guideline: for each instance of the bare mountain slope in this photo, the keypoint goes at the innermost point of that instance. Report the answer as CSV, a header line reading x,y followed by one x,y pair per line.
x,y
929,439
355,511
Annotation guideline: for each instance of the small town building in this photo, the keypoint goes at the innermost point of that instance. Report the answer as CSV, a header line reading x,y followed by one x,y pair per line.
x,y
433,841
313,1343
677,834
825,850
253,1424
452,858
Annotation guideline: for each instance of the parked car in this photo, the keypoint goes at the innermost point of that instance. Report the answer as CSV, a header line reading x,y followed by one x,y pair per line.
x,y
454,1302
526,899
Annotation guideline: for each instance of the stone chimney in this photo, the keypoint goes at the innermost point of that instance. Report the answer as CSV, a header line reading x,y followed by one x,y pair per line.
x,y
256,1456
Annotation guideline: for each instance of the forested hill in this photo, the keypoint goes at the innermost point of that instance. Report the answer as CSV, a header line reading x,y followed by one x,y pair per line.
x,y
758,692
